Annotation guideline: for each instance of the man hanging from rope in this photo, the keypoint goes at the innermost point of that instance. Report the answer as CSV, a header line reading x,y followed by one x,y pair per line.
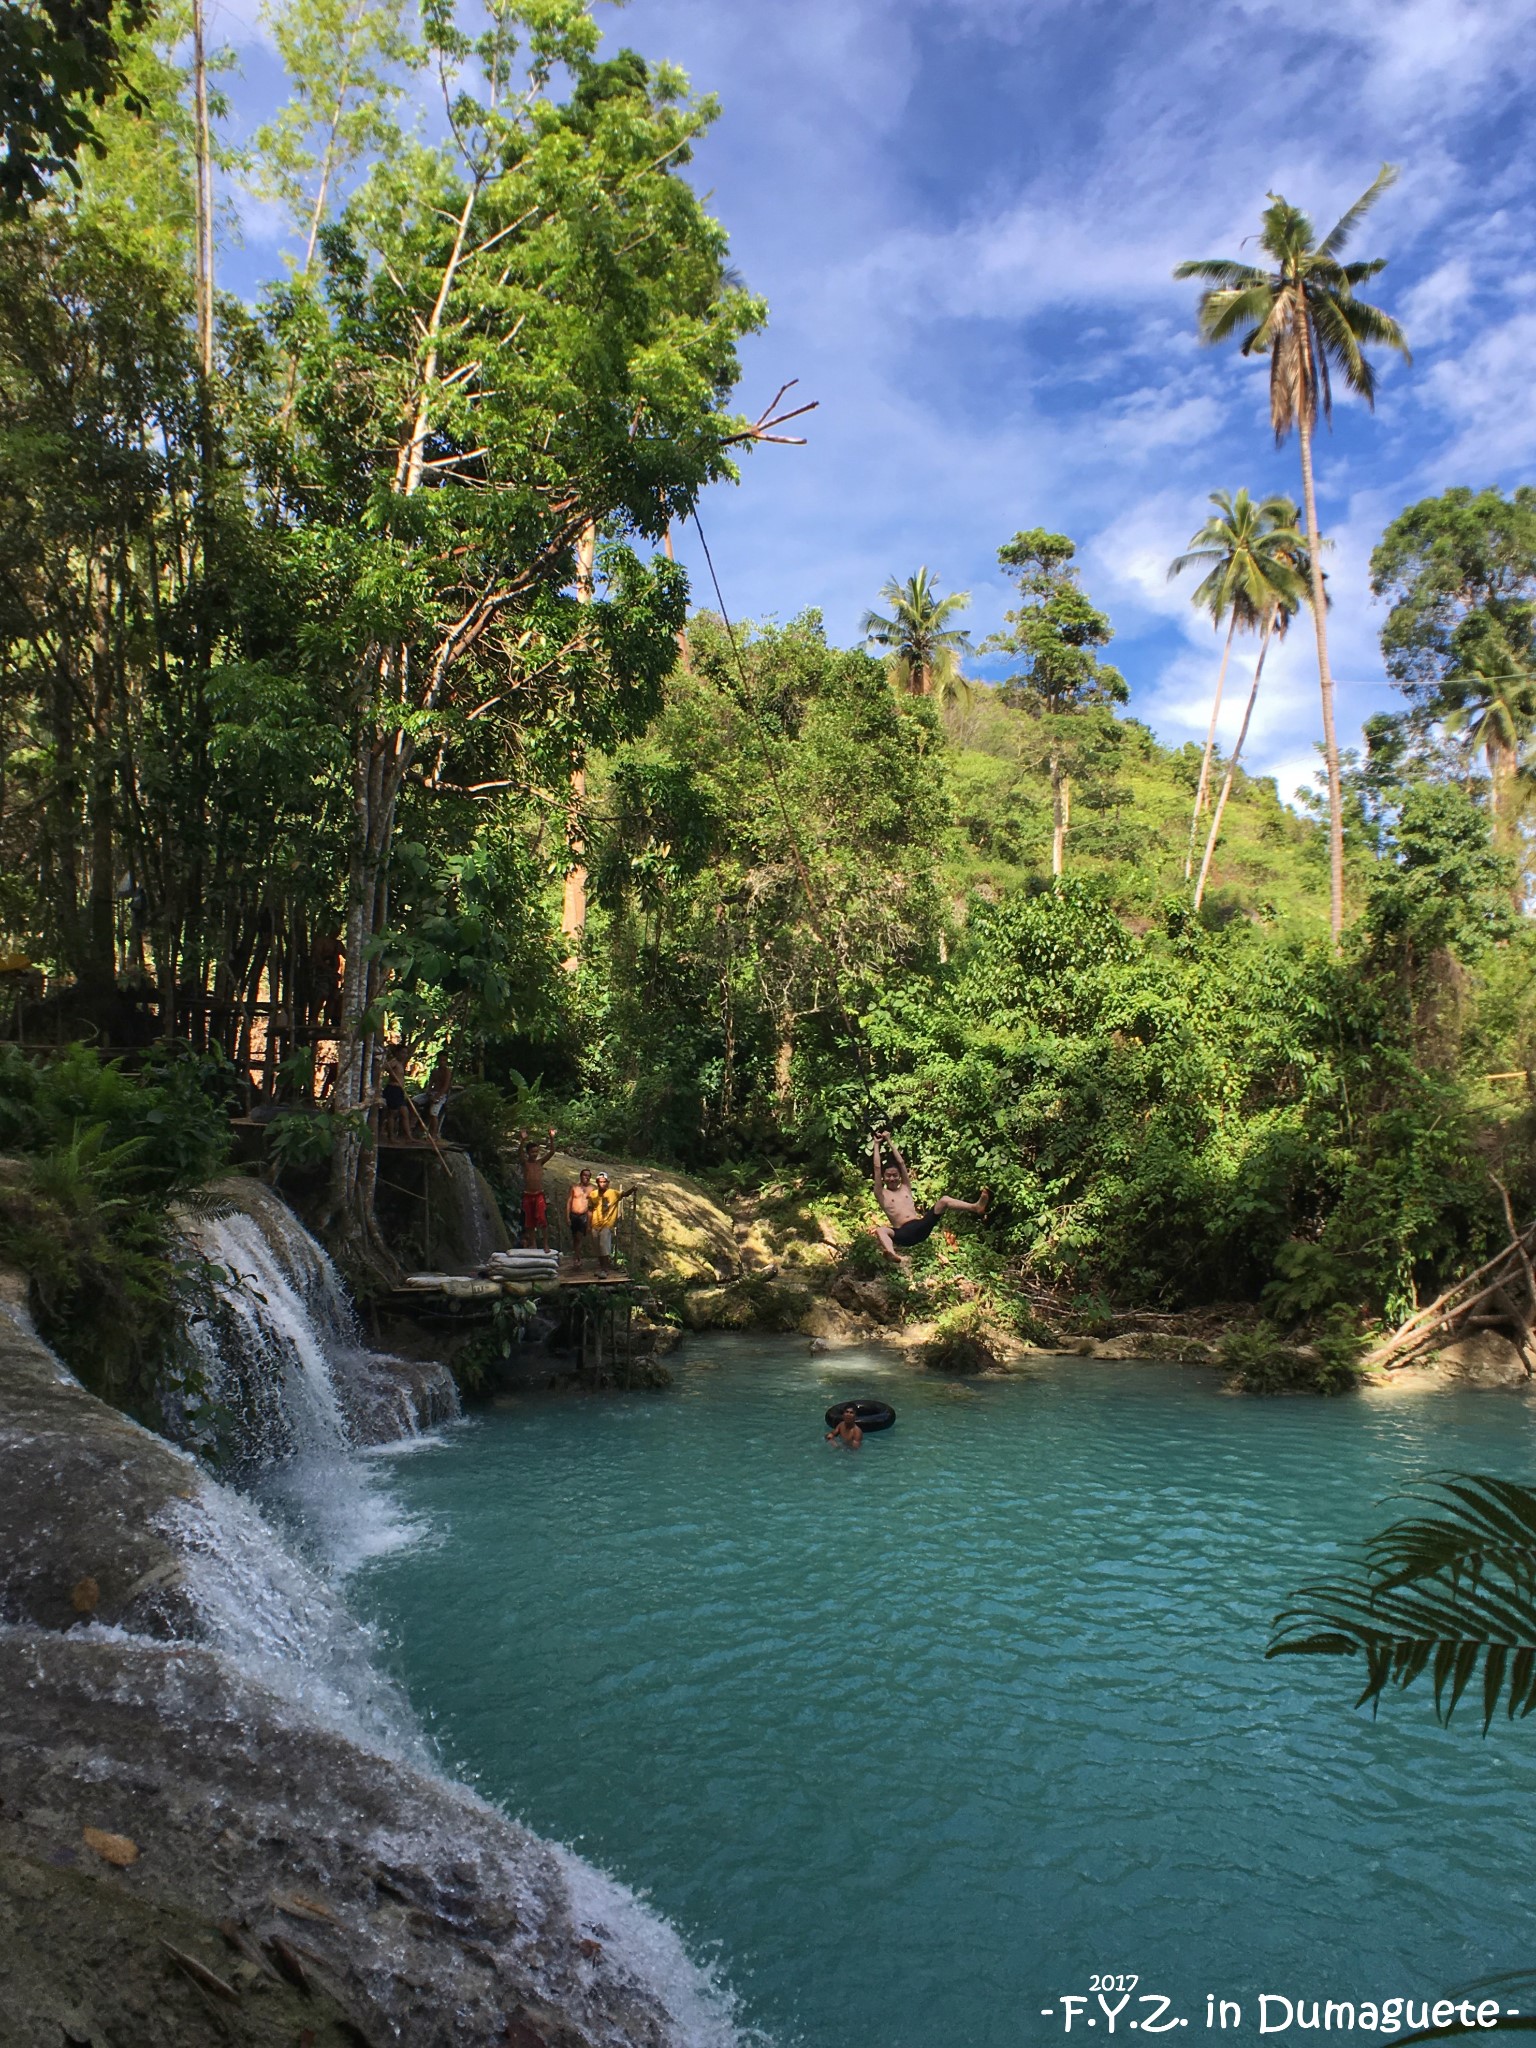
x,y
909,1225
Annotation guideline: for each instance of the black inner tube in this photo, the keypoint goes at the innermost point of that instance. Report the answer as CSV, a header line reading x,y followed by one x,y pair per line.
x,y
868,1414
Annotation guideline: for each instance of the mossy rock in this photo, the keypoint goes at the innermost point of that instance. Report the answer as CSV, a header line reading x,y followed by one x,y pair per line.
x,y
679,1233
752,1304
959,1343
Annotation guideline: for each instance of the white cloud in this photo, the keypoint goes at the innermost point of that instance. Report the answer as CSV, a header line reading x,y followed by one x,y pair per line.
x,y
1488,395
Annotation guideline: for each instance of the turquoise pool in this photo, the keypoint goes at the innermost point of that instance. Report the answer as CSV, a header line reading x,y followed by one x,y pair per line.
x,y
914,1741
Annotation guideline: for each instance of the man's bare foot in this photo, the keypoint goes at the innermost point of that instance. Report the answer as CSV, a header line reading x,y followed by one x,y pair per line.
x,y
983,1201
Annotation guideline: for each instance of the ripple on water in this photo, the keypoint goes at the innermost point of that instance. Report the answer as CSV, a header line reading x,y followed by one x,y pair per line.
x,y
916,1739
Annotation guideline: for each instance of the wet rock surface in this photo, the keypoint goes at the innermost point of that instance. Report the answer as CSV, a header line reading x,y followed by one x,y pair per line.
x,y
190,1855
82,1490
318,1884
383,1397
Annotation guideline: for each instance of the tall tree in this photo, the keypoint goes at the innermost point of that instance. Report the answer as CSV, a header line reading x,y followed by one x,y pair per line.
x,y
525,333
924,649
1444,561
1056,631
345,61
573,908
1278,587
1459,571
1304,315
1489,694
1239,549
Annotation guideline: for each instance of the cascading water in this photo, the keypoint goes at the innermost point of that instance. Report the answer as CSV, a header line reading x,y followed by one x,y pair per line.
x,y
478,1227
288,1391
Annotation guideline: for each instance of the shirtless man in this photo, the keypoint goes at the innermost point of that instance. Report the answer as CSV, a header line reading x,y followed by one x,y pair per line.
x,y
578,1213
847,1430
535,1207
909,1225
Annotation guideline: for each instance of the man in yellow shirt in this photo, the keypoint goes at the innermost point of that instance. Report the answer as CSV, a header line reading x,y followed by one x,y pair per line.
x,y
605,1216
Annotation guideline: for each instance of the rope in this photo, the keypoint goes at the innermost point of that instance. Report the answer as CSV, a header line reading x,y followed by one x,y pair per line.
x,y
813,895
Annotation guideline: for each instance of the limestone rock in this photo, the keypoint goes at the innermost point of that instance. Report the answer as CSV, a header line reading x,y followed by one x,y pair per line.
x,y
751,1304
162,1808
1483,1358
871,1298
82,1492
681,1233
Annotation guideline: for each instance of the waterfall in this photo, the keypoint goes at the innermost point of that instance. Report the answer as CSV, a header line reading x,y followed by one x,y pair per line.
x,y
285,1392
477,1226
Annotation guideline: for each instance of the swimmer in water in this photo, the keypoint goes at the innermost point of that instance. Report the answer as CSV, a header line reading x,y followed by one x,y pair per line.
x,y
847,1430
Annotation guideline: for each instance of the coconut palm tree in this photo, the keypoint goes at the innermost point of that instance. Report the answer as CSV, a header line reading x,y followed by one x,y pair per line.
x,y
1303,314
1277,618
924,649
1490,694
1239,548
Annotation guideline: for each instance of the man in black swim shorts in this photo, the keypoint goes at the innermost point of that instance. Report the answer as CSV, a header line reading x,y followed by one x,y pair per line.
x,y
907,1225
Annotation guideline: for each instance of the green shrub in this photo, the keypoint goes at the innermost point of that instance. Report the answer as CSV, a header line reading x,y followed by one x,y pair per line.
x,y
104,1151
1259,1361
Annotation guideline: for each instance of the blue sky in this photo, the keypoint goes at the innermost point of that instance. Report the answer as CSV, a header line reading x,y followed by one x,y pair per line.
x,y
964,215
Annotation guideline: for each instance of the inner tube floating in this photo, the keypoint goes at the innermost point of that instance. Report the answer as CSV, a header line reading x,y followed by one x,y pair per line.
x,y
868,1414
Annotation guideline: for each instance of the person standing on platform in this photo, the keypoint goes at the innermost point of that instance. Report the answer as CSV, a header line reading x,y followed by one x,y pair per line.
x,y
605,1216
535,1206
578,1213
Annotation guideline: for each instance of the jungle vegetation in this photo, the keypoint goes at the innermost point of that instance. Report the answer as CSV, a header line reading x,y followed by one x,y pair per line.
x,y
349,694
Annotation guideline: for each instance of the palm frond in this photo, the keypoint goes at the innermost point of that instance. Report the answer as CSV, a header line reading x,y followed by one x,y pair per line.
x,y
1339,235
1223,312
1450,1595
1222,271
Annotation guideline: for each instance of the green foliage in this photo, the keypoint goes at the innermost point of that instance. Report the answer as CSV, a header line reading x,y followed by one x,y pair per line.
x,y
1259,1362
1306,314
1452,1594
1310,1279
103,1153
59,60
1443,886
1447,561
960,1341
304,1143
1055,630
163,1124
924,649
724,1009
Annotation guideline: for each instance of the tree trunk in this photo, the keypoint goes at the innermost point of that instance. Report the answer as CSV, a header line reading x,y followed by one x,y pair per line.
x,y
1061,815
1231,774
784,1066
100,963
202,145
1324,673
573,910
1204,788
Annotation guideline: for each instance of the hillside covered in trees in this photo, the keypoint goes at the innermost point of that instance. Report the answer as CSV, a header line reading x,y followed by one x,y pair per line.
x,y
352,700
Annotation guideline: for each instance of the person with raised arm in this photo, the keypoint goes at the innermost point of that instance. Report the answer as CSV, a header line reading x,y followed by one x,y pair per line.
x,y
535,1206
906,1224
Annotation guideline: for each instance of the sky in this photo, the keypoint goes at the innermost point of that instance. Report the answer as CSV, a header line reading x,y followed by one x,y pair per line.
x,y
964,216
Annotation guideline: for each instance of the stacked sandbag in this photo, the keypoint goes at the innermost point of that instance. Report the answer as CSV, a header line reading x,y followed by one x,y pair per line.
x,y
526,1268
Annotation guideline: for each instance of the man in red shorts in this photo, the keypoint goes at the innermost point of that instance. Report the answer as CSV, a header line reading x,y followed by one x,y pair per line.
x,y
535,1207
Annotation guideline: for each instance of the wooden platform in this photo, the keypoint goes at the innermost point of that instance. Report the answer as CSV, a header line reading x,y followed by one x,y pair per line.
x,y
436,1301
